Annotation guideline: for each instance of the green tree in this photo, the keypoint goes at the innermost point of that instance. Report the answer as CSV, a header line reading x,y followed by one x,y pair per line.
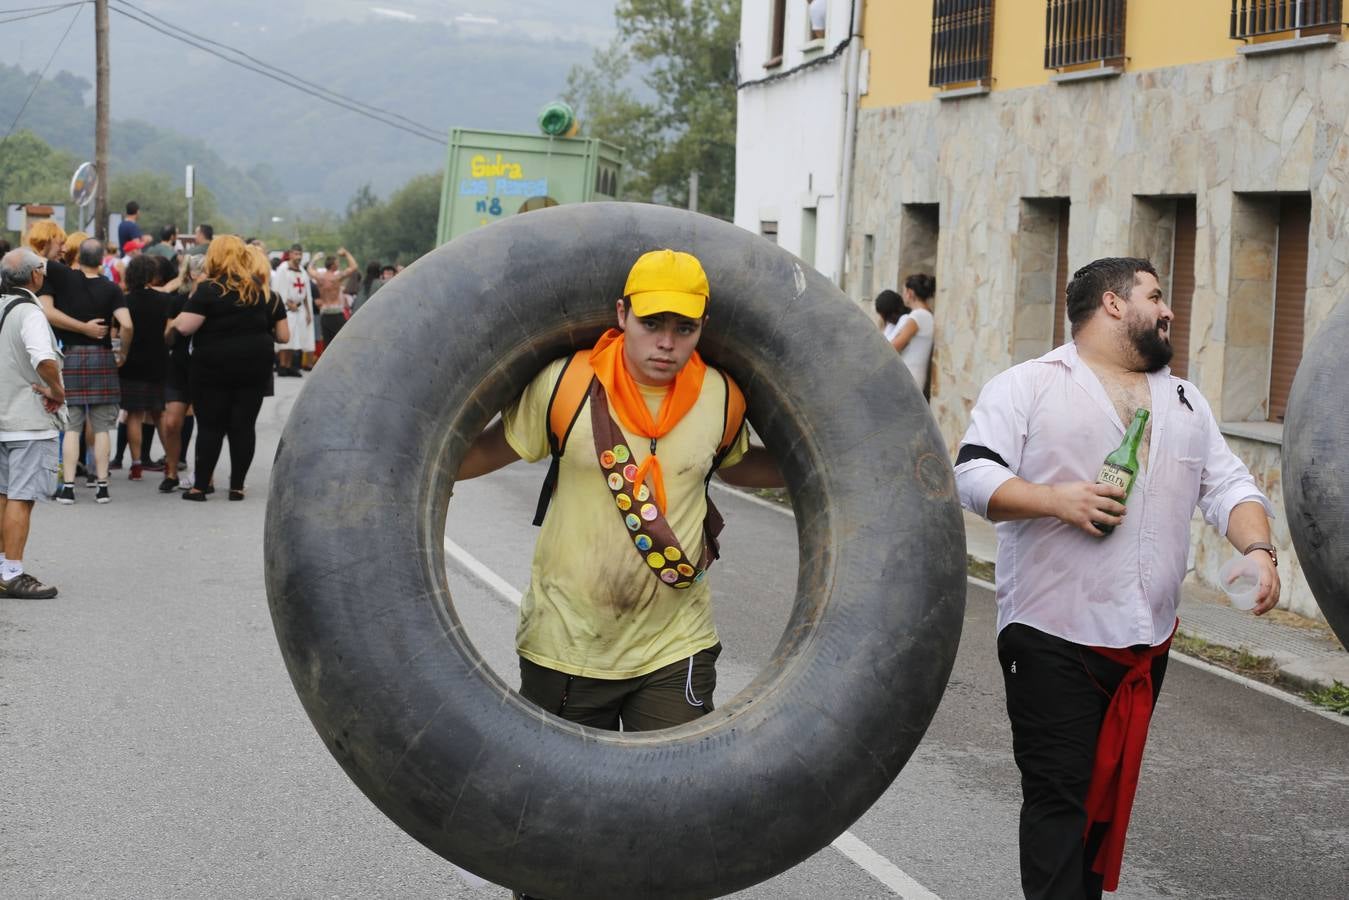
x,y
399,230
162,202
686,51
34,172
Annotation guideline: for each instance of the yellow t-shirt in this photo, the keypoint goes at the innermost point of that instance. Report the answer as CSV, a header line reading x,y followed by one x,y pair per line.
x,y
594,608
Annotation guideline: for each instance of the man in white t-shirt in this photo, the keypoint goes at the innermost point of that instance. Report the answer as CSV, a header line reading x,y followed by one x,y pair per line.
x,y
32,398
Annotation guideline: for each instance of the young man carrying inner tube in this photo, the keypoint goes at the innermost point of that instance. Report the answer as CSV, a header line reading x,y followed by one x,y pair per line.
x,y
616,625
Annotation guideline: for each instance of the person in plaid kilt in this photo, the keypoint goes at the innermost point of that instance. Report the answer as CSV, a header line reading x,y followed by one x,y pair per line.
x,y
73,301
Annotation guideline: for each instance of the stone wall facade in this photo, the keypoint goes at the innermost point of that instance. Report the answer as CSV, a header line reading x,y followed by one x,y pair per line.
x,y
1234,134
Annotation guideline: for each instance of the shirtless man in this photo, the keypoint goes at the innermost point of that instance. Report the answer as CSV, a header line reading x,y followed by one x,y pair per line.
x,y
332,306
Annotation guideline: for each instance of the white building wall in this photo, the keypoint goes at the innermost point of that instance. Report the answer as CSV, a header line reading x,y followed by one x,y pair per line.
x,y
789,132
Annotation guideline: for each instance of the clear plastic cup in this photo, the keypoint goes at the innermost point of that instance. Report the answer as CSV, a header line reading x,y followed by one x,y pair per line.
x,y
1240,580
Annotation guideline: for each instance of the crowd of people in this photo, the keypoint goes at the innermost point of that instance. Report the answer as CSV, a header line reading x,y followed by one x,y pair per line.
x,y
155,336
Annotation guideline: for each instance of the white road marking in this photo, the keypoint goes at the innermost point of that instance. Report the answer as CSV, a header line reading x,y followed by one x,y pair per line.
x,y
881,869
848,844
1251,683
478,569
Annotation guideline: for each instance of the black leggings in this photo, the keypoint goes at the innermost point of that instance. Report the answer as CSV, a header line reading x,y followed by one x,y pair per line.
x,y
225,412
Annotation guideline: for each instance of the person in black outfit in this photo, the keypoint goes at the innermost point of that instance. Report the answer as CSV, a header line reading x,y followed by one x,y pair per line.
x,y
73,301
142,375
233,320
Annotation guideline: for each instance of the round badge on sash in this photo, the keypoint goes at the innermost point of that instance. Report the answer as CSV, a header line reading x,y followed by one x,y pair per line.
x,y
643,493
607,459
630,472
643,542
624,502
621,453
669,576
655,560
673,554
632,522
685,569
615,481
649,512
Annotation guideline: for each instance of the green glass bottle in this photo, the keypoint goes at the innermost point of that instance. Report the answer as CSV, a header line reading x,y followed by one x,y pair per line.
x,y
1121,466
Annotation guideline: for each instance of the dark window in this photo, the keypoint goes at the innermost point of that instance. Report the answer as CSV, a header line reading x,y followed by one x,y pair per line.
x,y
775,40
962,42
1061,276
1290,300
1252,18
1182,286
1083,31
769,230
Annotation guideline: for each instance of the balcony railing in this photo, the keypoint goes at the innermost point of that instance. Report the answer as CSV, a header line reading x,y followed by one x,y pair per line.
x,y
962,42
1254,18
1083,31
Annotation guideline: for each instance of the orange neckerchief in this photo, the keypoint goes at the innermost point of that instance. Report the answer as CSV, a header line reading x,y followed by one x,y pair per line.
x,y
628,404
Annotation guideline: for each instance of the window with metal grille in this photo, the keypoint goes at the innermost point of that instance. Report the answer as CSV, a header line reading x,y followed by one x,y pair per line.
x,y
1083,31
1254,18
1290,300
962,42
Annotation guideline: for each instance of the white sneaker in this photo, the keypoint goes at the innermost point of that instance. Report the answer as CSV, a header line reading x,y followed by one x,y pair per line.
x,y
184,480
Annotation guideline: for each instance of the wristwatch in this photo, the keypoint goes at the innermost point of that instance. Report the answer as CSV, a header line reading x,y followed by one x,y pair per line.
x,y
1268,548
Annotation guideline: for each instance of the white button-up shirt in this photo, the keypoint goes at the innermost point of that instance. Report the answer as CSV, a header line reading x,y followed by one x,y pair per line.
x,y
1051,422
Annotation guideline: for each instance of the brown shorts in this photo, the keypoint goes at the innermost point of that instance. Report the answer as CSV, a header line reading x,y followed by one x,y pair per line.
x,y
669,696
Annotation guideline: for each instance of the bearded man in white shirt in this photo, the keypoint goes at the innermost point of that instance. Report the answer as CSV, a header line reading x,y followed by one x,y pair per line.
x,y
1085,619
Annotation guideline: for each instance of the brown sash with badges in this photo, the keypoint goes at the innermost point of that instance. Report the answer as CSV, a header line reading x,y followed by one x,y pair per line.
x,y
646,527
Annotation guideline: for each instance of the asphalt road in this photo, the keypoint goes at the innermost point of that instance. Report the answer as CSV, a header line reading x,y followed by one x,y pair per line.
x,y
151,744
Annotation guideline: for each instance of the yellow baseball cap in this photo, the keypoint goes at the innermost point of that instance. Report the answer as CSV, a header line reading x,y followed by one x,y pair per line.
x,y
667,281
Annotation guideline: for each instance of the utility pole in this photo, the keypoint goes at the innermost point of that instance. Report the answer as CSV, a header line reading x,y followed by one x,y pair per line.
x,y
101,118
693,190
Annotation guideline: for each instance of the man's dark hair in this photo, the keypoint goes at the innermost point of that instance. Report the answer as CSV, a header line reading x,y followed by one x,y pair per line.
x,y
168,233
133,208
91,253
890,306
168,268
142,271
1113,273
206,231
4,247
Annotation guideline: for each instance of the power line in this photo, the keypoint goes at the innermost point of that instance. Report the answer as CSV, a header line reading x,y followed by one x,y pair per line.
x,y
43,74
380,115
291,75
46,11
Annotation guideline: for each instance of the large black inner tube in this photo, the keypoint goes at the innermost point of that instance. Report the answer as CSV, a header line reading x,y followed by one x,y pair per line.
x,y
359,595
1316,468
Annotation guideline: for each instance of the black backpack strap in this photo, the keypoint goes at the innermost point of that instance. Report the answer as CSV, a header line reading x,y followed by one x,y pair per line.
x,y
19,300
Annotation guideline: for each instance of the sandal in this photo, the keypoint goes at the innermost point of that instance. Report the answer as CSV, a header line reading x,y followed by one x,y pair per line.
x,y
236,494
194,494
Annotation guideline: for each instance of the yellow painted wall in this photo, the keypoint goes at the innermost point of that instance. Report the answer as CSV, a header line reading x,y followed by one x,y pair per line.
x,y
1158,33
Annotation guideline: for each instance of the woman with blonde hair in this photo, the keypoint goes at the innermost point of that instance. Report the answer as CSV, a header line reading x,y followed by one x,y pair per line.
x,y
47,239
233,320
70,248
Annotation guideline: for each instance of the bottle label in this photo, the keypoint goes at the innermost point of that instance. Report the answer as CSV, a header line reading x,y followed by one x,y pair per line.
x,y
1119,476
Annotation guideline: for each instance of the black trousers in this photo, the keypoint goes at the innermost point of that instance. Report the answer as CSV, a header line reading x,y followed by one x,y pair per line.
x,y
1057,695
225,413
329,325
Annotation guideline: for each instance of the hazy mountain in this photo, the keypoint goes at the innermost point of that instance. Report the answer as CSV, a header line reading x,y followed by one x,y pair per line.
x,y
473,63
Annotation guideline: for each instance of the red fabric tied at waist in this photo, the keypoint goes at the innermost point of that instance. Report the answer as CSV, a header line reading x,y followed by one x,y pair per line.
x,y
1119,755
